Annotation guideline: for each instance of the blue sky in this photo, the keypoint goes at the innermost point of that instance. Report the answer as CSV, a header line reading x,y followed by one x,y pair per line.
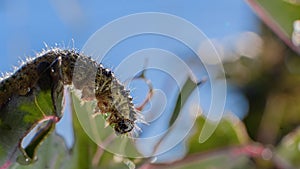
x,y
26,25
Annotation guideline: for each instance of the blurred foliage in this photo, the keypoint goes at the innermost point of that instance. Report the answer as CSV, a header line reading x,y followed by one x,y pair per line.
x,y
271,88
288,148
283,12
230,132
279,16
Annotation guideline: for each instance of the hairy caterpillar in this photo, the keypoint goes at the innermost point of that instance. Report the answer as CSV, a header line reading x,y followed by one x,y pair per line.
x,y
68,67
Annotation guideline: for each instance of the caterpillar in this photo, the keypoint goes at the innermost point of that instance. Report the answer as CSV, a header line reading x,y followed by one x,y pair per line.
x,y
68,67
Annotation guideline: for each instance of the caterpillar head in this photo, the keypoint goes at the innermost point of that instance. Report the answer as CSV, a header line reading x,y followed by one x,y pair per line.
x,y
123,126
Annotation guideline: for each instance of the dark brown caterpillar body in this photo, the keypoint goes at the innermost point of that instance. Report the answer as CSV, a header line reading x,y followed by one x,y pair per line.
x,y
86,75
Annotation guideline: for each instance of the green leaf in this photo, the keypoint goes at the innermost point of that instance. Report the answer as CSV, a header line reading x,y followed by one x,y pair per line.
x,y
18,117
84,148
37,108
184,94
29,151
281,12
24,118
289,148
52,154
229,132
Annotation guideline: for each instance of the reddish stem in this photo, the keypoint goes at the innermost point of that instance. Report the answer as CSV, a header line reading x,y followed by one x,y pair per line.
x,y
6,165
272,24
